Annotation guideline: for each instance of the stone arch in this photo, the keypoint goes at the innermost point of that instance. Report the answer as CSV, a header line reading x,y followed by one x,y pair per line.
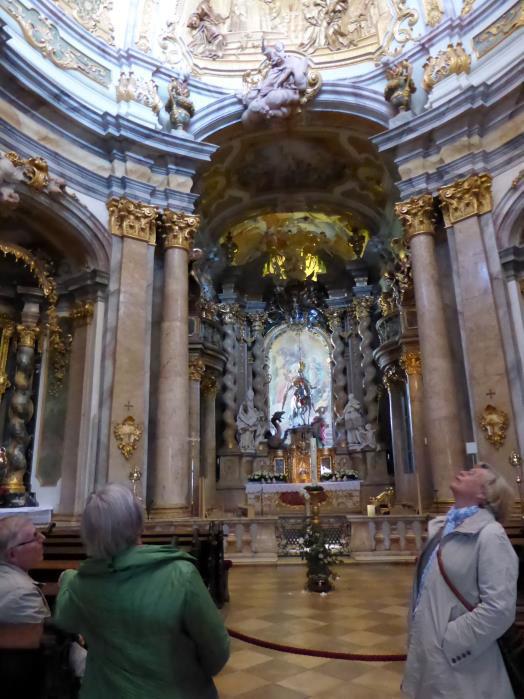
x,y
508,218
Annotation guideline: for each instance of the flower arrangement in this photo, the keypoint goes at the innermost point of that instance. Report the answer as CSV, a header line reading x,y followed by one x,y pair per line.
x,y
267,477
319,558
343,475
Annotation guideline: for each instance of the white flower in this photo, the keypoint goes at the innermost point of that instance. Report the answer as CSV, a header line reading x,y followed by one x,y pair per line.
x,y
301,541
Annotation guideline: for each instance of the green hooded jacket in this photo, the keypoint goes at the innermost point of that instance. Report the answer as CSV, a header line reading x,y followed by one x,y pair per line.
x,y
151,627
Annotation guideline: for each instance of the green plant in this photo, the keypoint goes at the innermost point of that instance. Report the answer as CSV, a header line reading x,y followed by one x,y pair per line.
x,y
267,477
318,556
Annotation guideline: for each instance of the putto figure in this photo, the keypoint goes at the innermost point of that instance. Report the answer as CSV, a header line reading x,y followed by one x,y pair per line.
x,y
400,86
179,107
282,88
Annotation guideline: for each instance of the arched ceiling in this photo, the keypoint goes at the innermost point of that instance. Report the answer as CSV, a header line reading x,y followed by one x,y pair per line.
x,y
315,183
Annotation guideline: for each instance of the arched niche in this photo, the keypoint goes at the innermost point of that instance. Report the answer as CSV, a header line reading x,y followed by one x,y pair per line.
x,y
287,346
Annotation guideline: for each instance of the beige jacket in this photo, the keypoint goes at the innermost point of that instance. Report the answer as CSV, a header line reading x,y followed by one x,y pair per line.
x,y
453,653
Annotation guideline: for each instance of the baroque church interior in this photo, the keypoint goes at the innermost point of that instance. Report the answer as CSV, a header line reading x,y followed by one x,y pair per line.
x,y
263,261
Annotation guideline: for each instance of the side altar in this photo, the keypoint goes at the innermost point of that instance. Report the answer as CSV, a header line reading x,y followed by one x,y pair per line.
x,y
341,497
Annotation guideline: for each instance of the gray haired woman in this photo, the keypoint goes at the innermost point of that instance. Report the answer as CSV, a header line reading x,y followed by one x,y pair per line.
x,y
151,628
453,652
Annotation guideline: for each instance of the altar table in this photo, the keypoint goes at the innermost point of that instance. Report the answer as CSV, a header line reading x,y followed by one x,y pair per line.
x,y
342,497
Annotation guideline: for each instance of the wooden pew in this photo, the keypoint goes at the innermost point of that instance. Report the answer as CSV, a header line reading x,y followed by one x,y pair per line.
x,y
63,549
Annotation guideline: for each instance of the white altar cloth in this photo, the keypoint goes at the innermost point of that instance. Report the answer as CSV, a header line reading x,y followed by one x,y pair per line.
x,y
296,487
342,497
38,515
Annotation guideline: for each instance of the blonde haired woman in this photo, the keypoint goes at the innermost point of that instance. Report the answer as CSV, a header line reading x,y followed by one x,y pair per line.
x,y
453,652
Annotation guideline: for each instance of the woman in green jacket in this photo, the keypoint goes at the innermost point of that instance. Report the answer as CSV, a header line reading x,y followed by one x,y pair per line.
x,y
152,630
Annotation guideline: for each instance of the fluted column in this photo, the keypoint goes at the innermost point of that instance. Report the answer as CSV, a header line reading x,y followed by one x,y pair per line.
x,y
208,439
441,408
411,362
362,308
197,369
170,491
21,408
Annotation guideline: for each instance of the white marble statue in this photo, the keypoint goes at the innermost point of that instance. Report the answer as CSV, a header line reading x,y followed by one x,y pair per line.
x,y
280,90
353,422
368,439
250,424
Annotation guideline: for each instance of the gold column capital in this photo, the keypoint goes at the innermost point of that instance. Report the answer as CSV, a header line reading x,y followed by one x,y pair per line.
x,y
411,362
27,335
470,196
416,215
209,384
392,374
132,219
362,306
179,229
197,369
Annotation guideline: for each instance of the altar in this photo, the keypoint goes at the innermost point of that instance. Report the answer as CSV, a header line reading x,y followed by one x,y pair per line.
x,y
342,497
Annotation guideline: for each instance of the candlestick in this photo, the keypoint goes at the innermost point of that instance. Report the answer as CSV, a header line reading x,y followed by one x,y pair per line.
x,y
371,510
313,458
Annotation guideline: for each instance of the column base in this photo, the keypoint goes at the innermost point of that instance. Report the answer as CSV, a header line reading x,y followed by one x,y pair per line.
x,y
168,513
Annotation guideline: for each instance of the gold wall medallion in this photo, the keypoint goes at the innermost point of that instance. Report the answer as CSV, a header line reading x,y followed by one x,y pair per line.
x,y
494,422
464,198
433,11
416,215
127,434
451,61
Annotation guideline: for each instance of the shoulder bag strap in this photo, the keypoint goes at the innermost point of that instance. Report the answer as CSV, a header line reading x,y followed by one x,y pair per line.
x,y
448,582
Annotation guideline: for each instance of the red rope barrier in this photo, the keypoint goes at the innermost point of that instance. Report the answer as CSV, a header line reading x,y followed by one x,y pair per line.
x,y
331,655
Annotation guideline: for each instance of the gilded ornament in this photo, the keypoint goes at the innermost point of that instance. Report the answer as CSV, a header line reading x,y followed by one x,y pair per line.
x,y
93,15
411,362
135,476
464,198
208,310
392,374
518,180
179,229
434,12
503,27
148,14
33,171
400,33
131,88
399,86
82,313
467,6
7,330
416,215
209,384
43,35
494,422
127,434
197,369
362,306
27,336
450,61
132,219
179,106
230,312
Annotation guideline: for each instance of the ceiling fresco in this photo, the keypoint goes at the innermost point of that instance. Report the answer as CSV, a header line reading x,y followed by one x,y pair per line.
x,y
223,37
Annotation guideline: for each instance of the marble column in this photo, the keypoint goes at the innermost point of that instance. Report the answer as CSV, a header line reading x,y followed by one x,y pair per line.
x,y
441,408
197,369
394,380
171,486
411,362
229,393
128,337
258,321
208,439
466,205
336,316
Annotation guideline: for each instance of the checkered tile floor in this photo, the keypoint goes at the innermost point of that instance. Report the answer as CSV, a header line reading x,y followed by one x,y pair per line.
x,y
366,614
